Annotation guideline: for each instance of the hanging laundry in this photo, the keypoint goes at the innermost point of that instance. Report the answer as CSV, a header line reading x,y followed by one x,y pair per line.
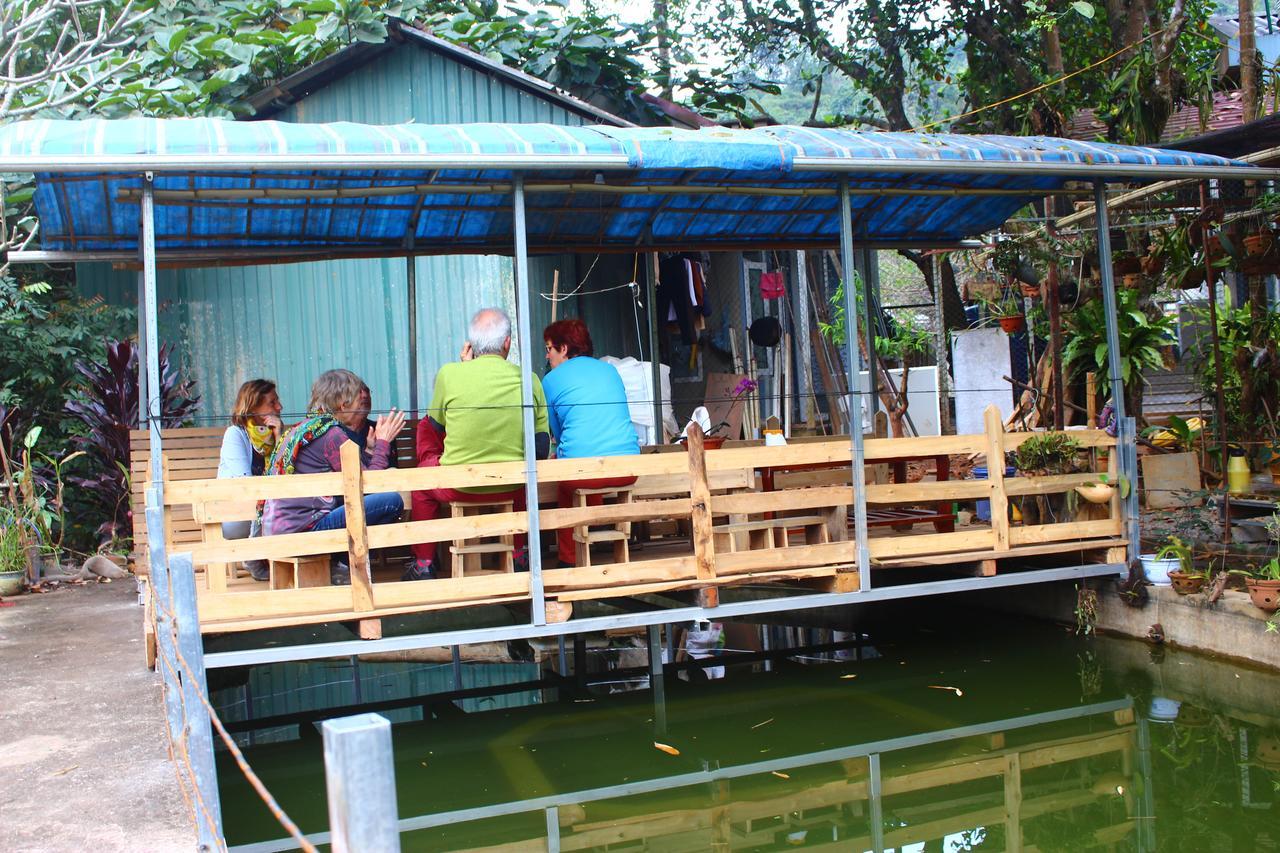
x,y
772,285
674,296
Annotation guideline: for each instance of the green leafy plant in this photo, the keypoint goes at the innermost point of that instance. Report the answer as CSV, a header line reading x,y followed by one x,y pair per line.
x,y
1175,549
1047,453
1185,433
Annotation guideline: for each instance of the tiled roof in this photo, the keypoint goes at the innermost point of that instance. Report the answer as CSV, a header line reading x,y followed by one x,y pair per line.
x,y
1227,112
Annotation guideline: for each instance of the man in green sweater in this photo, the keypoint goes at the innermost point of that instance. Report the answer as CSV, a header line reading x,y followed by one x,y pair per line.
x,y
476,417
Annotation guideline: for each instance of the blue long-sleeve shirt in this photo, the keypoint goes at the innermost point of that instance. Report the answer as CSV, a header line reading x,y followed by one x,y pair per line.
x,y
587,410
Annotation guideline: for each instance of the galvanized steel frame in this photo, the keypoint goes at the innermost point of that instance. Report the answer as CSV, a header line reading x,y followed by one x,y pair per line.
x,y
871,751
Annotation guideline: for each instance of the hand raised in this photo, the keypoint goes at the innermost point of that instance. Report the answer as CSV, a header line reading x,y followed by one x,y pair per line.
x,y
388,426
467,353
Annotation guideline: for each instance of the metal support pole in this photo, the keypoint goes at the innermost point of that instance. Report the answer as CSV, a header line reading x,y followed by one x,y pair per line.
x,y
553,829
524,315
1109,300
874,791
152,336
855,390
1126,430
456,654
197,728
158,580
360,777
656,681
580,661
411,281
142,352
655,363
941,345
804,363
869,269
563,658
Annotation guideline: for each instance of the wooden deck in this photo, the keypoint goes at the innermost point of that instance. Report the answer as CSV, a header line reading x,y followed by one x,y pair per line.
x,y
715,495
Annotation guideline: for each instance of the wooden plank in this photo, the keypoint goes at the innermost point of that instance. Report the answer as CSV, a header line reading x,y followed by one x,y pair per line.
x,y
357,532
143,436
827,554
931,543
1013,553
1072,531
1086,438
1013,803
553,519
476,588
994,425
752,577
921,446
257,623
703,537
281,546
749,502
1048,485
638,571
927,492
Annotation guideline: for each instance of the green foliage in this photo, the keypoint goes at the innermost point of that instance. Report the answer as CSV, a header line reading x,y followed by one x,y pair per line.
x,y
910,337
1047,453
1235,336
1175,548
1143,335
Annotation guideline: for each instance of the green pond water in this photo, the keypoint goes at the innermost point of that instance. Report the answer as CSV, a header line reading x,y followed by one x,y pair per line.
x,y
994,735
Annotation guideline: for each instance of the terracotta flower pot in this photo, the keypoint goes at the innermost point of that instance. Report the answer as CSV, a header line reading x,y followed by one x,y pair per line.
x,y
1257,245
1126,266
1153,264
1185,584
1265,595
712,442
1014,323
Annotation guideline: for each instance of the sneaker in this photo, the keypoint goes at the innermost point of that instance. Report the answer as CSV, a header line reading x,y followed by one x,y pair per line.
x,y
339,573
258,570
419,570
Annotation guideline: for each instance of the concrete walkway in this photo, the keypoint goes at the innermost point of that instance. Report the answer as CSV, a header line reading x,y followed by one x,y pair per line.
x,y
83,754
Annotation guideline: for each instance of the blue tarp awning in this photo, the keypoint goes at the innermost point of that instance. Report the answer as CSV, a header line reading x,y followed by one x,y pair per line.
x,y
229,189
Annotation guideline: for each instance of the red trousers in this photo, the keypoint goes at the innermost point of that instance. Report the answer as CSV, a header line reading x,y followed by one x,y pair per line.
x,y
427,505
564,498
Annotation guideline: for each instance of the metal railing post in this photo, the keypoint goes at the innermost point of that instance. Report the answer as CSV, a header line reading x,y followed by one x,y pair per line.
x,y
359,775
656,681
1126,427
197,727
553,829
855,387
523,317
874,795
158,580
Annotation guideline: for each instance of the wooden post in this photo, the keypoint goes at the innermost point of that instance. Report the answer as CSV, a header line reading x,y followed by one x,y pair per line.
x,y
1091,399
358,539
555,294
700,501
995,476
1013,802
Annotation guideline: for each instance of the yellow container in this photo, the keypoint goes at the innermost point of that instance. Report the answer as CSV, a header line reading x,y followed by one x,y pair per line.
x,y
1238,473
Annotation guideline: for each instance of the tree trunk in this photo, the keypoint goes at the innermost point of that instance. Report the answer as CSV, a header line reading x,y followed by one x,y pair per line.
x,y
1248,62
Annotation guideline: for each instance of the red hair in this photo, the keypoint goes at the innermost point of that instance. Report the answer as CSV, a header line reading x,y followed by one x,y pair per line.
x,y
569,333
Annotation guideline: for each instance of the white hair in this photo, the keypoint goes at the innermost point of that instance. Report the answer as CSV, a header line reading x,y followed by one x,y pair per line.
x,y
490,329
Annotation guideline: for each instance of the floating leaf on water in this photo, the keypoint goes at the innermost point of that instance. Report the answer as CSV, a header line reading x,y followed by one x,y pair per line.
x,y
765,723
850,675
669,750
956,690
781,775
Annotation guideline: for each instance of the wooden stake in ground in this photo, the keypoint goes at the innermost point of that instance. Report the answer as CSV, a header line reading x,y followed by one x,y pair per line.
x,y
555,294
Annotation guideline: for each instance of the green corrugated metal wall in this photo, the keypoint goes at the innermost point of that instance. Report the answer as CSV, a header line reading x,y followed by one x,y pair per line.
x,y
289,322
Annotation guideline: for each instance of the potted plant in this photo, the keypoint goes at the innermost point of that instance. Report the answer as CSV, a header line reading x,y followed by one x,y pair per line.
x,y
1263,584
1007,310
1185,579
1046,454
13,551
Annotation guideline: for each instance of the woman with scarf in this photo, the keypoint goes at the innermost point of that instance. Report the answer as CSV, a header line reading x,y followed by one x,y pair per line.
x,y
246,446
338,413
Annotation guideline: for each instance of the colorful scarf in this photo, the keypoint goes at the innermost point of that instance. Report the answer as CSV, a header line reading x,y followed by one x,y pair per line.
x,y
285,457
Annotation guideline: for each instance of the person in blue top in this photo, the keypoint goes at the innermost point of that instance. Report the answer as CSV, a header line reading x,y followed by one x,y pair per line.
x,y
588,414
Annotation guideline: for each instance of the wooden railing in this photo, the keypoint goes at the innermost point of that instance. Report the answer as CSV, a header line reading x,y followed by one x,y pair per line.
x,y
711,490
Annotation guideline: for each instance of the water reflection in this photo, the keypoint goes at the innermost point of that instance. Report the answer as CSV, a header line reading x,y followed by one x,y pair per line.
x,y
1047,743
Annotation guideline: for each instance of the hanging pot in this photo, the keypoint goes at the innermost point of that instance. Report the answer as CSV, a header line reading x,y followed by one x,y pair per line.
x,y
1190,278
1126,266
1153,264
1013,323
1257,245
1030,291
1131,281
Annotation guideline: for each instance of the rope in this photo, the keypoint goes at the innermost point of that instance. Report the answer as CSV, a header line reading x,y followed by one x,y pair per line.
x,y
1042,86
254,780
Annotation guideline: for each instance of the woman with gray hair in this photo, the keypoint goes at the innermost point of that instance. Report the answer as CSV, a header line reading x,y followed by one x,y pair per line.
x,y
338,413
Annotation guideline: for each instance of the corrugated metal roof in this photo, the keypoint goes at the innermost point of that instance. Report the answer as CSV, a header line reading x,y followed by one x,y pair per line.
x,y
349,189
1227,111
284,93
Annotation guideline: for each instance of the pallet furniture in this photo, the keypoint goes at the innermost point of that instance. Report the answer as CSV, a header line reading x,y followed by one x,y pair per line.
x,y
739,534
617,533
467,555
